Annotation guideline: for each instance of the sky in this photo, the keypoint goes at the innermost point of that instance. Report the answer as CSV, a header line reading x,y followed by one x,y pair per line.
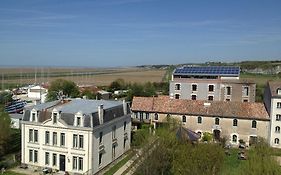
x,y
110,33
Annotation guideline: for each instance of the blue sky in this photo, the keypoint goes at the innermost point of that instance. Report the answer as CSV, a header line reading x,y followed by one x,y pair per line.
x,y
102,33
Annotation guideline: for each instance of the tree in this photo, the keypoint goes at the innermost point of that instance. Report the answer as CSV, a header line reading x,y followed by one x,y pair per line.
x,y
118,84
89,94
5,129
260,160
61,87
5,97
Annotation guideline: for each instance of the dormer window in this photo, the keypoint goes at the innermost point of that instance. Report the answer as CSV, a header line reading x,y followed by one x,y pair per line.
x,y
55,117
34,116
279,91
78,121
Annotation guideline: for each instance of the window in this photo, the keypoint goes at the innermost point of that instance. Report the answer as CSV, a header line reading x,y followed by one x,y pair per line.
x,y
194,87
227,99
193,97
80,164
30,155
62,139
278,91
35,135
277,129
177,96
278,117
211,88
245,91
177,87
54,159
184,118
228,90
217,121
47,158
147,116
35,156
211,98
141,116
75,141
30,135
235,122
245,100
199,120
55,115
155,116
74,163
276,141
55,138
278,104
101,137
47,137
78,121
33,116
100,159
113,151
124,143
254,124
114,132
234,138
81,141
125,124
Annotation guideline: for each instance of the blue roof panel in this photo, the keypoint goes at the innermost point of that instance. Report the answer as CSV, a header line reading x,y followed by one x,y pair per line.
x,y
208,70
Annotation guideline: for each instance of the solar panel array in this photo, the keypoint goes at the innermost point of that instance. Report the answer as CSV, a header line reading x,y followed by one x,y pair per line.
x,y
208,70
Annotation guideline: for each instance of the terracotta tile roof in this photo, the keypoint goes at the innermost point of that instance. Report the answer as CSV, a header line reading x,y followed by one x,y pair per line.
x,y
164,104
273,86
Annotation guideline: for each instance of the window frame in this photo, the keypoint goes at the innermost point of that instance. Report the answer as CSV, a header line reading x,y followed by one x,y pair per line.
x,y
254,124
217,121
235,122
199,120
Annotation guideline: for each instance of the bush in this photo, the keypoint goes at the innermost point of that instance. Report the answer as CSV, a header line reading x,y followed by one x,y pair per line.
x,y
207,136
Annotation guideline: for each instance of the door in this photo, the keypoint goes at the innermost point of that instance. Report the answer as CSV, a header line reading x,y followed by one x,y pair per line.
x,y
217,134
62,162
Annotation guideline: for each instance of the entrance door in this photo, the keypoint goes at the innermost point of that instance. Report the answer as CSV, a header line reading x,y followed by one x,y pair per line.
x,y
217,134
62,162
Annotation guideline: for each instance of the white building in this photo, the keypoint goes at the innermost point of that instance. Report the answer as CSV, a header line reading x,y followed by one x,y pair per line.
x,y
37,93
272,101
77,135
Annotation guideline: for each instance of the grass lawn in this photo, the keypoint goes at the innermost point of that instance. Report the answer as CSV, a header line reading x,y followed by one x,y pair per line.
x,y
260,79
231,163
119,164
12,173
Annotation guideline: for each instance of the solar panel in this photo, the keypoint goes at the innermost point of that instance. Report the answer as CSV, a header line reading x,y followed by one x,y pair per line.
x,y
208,70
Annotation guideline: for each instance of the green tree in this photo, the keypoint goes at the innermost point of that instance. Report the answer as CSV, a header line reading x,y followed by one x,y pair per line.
x,y
260,160
5,129
5,97
118,84
89,94
61,87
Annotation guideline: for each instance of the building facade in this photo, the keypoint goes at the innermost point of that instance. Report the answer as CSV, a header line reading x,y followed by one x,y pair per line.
x,y
272,101
230,120
211,83
76,135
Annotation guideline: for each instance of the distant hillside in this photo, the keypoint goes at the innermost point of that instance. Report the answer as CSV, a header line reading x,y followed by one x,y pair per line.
x,y
260,67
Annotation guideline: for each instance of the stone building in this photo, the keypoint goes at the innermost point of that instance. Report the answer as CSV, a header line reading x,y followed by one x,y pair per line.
x,y
232,120
213,83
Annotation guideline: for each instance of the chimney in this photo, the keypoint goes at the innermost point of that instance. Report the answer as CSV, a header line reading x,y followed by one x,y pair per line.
x,y
100,112
125,107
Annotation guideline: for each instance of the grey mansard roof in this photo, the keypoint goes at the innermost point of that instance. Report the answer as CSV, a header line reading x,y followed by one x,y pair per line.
x,y
88,108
